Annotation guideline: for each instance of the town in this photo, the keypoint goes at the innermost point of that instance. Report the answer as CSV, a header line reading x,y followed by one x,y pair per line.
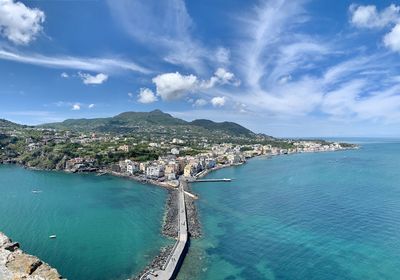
x,y
156,158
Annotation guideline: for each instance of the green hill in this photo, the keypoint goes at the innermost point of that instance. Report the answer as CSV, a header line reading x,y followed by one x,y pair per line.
x,y
229,127
5,124
129,122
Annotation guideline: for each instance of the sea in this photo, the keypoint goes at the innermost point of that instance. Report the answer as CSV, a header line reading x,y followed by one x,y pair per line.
x,y
107,227
330,215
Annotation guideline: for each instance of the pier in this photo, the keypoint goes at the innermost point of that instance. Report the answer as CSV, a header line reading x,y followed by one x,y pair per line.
x,y
211,180
177,255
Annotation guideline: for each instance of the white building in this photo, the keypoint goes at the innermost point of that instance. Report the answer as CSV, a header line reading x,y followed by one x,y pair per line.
x,y
234,158
155,171
174,151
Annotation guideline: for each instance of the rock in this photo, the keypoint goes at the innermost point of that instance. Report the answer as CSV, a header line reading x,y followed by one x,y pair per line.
x,y
22,263
4,240
170,227
157,263
12,246
16,265
194,226
46,272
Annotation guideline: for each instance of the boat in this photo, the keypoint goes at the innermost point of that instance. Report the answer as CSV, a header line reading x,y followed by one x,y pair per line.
x,y
36,191
53,236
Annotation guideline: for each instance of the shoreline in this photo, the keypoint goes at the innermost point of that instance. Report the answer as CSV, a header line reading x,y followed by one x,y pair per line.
x,y
170,219
17,264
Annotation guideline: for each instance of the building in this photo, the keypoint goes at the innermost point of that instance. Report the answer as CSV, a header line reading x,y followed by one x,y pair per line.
x,y
143,166
132,167
174,151
80,164
234,158
210,163
155,171
189,170
123,148
177,141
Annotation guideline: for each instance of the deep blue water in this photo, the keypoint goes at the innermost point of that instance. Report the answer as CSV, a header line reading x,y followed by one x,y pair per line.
x,y
333,215
106,227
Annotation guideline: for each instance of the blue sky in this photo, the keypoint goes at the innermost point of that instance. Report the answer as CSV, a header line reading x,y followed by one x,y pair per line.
x,y
285,68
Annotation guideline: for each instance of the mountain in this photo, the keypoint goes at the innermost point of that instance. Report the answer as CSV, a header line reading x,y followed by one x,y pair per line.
x,y
155,117
229,127
133,121
5,124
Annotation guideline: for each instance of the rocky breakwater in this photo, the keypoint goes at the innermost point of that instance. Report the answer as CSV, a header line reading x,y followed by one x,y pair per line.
x,y
193,220
170,227
17,265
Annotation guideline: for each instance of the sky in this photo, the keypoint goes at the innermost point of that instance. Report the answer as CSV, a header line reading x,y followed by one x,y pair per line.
x,y
285,68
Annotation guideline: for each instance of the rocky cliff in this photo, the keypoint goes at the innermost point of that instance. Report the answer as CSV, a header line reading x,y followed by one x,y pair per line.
x,y
16,265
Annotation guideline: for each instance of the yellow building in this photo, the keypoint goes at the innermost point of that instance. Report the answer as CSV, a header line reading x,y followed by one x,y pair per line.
x,y
189,170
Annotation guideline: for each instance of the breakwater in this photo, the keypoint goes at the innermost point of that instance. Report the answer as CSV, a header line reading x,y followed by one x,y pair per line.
x,y
174,260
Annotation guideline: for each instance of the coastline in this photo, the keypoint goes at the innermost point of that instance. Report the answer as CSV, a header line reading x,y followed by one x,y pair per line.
x,y
16,264
170,220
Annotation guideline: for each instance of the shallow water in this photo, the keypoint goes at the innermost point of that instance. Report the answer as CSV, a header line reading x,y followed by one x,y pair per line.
x,y
332,215
106,227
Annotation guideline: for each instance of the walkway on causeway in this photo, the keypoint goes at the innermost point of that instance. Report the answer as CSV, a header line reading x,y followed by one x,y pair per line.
x,y
177,255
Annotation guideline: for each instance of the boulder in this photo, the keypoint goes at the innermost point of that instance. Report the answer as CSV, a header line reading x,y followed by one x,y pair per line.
x,y
23,263
46,272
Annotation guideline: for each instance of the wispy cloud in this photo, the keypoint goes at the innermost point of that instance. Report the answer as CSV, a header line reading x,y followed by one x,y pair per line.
x,y
170,35
109,65
288,74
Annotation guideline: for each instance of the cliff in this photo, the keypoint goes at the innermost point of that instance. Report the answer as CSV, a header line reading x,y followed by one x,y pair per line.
x,y
16,265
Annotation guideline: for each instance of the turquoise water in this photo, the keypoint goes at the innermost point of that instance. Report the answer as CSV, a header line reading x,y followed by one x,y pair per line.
x,y
106,227
329,215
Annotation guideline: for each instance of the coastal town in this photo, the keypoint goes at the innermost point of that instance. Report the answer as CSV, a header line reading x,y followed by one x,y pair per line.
x,y
170,159
159,160
168,168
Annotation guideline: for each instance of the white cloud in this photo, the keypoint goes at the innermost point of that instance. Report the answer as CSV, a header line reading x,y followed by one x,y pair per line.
x,y
146,96
369,17
174,86
221,77
19,23
289,75
79,63
76,107
225,77
91,106
93,80
218,101
200,102
223,55
130,94
392,39
64,75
